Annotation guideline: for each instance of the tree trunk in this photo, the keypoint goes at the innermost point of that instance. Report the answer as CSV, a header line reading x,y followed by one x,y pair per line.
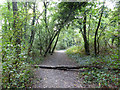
x,y
89,29
118,30
98,49
46,25
96,33
49,46
51,42
16,29
86,44
32,31
55,44
40,45
61,26
16,35
25,26
9,10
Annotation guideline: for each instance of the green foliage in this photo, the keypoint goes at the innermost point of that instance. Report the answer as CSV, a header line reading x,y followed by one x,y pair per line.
x,y
21,76
61,46
76,50
16,71
101,77
68,17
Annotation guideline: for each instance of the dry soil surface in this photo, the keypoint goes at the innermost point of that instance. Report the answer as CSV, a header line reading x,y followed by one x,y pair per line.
x,y
49,78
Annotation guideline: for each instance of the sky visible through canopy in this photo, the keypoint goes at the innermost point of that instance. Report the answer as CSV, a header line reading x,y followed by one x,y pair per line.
x,y
109,3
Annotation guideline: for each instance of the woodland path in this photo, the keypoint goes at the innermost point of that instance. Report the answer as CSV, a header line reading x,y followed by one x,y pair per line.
x,y
49,78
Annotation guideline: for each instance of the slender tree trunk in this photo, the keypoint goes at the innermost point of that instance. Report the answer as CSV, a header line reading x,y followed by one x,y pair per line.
x,y
25,25
89,29
55,43
46,25
40,45
32,31
16,29
16,35
50,46
9,10
61,26
10,42
86,44
98,49
96,33
45,19
118,30
9,19
51,42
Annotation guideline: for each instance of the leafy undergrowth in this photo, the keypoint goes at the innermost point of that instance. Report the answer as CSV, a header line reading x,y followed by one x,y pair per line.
x,y
101,77
35,60
17,72
16,75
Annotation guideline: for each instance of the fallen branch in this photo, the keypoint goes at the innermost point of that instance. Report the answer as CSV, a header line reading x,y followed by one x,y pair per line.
x,y
66,67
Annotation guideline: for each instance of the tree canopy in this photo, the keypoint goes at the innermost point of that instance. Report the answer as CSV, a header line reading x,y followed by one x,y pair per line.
x,y
33,30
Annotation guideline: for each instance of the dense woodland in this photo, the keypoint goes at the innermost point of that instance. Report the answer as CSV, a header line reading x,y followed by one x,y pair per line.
x,y
89,31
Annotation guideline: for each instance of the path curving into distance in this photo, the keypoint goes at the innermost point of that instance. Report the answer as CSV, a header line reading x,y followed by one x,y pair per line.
x,y
49,78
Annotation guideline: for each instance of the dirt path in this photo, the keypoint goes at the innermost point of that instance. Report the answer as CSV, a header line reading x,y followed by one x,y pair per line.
x,y
48,78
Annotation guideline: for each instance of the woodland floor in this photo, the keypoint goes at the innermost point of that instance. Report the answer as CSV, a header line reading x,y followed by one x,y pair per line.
x,y
49,78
